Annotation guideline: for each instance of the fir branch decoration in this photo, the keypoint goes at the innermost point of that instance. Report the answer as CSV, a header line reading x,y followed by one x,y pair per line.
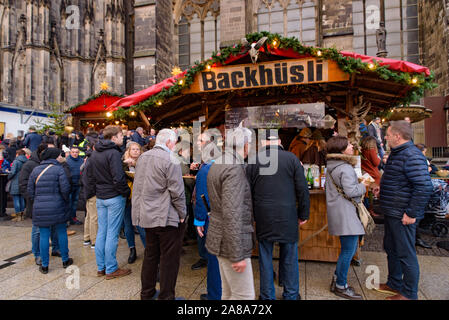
x,y
347,64
96,96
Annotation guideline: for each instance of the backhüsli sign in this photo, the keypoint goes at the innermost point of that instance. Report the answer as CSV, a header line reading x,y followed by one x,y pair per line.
x,y
267,74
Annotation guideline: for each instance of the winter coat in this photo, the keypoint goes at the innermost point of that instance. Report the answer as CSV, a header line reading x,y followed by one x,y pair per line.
x,y
10,153
200,210
105,173
158,198
75,169
6,165
370,164
136,137
231,222
373,133
25,173
406,185
87,191
32,141
50,194
341,213
275,196
92,137
14,174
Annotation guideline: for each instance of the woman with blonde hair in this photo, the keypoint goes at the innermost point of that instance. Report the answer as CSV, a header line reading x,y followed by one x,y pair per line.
x,y
132,154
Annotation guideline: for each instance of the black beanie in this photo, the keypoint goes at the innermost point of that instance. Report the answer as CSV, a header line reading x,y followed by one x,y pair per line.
x,y
50,153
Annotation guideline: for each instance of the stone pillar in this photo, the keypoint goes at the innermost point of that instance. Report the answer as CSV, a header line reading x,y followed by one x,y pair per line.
x,y
233,22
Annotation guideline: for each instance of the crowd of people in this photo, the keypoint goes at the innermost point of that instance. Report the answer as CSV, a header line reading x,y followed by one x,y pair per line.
x,y
137,182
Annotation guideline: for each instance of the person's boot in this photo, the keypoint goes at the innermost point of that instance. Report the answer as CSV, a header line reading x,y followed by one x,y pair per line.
x,y
421,243
333,283
132,255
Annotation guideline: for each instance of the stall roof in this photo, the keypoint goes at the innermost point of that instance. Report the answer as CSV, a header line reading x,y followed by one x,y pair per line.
x,y
96,103
384,83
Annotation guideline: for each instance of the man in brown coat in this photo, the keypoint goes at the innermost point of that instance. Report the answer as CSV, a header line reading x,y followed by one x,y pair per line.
x,y
159,206
231,223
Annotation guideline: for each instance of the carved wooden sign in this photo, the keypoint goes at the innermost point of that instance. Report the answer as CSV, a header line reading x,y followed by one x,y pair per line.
x,y
268,74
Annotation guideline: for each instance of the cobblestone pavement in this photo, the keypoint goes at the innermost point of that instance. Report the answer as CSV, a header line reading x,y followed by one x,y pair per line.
x,y
21,280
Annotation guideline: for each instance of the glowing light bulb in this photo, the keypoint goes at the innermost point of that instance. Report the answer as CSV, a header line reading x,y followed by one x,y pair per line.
x,y
319,53
108,114
415,80
371,66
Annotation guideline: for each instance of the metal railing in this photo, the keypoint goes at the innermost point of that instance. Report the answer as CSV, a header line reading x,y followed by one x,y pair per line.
x,y
439,152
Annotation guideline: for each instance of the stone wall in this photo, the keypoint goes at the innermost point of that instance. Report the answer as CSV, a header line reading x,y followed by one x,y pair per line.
x,y
164,40
232,22
434,42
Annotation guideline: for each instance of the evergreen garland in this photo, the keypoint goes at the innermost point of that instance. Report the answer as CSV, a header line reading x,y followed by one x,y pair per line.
x,y
347,64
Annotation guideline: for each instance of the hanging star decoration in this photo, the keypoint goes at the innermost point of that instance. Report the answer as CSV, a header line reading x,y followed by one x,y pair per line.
x,y
175,71
104,86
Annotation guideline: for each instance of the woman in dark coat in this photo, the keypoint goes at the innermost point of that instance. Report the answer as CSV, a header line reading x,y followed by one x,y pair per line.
x,y
49,187
19,201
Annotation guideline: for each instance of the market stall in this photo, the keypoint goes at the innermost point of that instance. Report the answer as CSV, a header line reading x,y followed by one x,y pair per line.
x,y
93,112
283,78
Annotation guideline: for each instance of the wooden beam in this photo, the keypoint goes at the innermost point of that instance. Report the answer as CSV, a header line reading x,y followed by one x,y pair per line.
x,y
178,110
145,120
213,116
380,93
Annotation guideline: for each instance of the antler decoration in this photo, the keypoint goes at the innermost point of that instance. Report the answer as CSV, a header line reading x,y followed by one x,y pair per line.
x,y
358,113
253,48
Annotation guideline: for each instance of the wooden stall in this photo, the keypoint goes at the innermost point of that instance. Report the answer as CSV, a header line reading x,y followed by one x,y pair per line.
x,y
279,71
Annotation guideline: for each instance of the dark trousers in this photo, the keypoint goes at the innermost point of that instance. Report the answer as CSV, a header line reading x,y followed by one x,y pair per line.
x,y
163,246
3,194
403,267
29,207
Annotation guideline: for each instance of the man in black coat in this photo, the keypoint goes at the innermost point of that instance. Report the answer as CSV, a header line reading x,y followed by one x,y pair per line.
x,y
277,184
405,190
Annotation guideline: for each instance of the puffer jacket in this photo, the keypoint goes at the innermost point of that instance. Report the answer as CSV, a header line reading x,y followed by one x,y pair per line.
x,y
158,198
75,169
14,174
50,194
406,185
230,233
25,173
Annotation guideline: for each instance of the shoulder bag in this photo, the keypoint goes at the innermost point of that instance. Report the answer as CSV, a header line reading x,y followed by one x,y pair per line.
x,y
45,170
365,217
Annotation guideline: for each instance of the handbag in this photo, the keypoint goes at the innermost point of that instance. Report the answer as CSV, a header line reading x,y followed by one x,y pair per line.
x,y
8,186
365,217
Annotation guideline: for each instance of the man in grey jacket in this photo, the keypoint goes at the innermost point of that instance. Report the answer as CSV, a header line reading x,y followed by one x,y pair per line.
x,y
231,223
159,206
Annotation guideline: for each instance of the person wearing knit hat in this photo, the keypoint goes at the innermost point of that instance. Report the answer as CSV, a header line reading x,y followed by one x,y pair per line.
x,y
300,142
49,188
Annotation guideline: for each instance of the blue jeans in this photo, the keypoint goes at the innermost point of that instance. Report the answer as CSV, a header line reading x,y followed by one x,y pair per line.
x,y
73,201
19,203
61,230
288,271
348,249
35,239
129,230
110,219
403,266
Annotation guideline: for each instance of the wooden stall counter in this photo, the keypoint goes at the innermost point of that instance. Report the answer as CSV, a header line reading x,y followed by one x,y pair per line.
x,y
315,243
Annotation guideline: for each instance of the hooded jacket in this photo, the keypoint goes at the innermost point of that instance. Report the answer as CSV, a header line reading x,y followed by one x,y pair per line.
x,y
14,174
406,185
105,173
341,213
50,194
32,141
